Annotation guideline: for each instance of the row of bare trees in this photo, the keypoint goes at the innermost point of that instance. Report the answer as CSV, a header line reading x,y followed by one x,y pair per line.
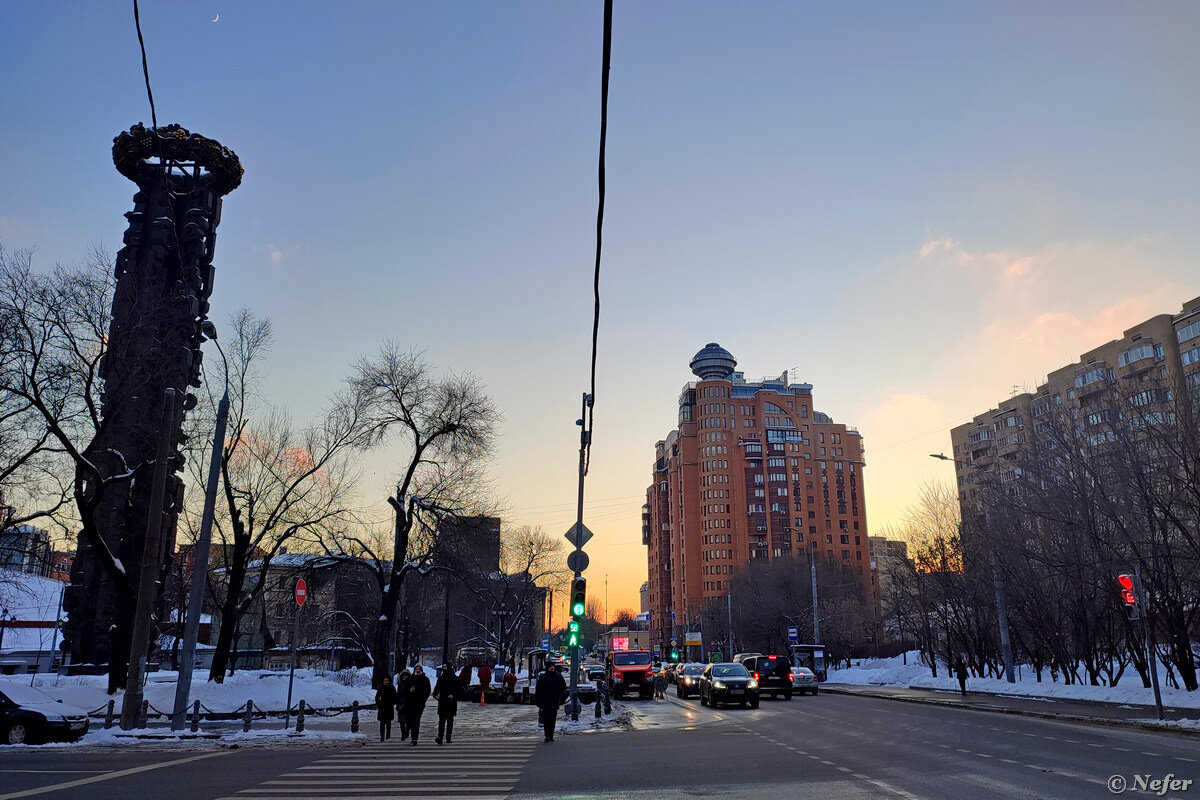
x,y
283,486
1105,485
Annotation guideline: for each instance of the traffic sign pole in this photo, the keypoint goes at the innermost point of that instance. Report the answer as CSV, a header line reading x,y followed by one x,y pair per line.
x,y
578,535
301,594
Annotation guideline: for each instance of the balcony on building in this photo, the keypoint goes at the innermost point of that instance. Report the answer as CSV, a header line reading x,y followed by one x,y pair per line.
x,y
1140,358
1092,378
1008,445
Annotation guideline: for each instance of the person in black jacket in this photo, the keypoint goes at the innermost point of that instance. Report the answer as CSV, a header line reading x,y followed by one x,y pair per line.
x,y
446,693
385,702
414,701
960,670
401,695
550,693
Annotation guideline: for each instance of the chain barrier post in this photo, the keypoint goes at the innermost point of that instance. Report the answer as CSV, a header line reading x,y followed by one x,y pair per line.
x,y
300,718
249,714
196,716
108,714
354,717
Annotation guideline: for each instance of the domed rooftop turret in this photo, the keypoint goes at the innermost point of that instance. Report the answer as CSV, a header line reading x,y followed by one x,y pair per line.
x,y
713,363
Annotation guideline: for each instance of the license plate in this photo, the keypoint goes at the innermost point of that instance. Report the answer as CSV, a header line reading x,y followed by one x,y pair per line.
x,y
738,691
633,683
76,726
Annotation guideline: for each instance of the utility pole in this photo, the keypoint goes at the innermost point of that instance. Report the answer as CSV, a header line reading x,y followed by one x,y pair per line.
x,y
578,561
816,617
729,612
131,706
195,603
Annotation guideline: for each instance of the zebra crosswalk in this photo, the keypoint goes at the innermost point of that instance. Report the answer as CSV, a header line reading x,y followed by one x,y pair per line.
x,y
472,769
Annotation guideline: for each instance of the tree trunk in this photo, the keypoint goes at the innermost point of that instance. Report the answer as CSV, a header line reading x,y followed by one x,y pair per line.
x,y
230,614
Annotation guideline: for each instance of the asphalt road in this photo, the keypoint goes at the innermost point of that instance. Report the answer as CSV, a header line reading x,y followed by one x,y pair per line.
x,y
839,747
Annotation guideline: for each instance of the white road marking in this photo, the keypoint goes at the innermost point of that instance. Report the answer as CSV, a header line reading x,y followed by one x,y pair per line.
x,y
108,776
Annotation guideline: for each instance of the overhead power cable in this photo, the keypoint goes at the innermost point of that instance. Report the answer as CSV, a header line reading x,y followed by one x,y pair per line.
x,y
137,20
591,411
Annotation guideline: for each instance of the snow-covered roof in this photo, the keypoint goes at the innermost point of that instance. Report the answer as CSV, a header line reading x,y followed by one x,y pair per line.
x,y
29,597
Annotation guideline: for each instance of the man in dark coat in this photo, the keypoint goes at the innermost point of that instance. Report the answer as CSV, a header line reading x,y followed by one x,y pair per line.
x,y
550,693
960,670
446,693
414,701
385,702
401,695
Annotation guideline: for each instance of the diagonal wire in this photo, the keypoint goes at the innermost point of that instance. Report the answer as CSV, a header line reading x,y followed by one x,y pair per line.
x,y
599,220
137,20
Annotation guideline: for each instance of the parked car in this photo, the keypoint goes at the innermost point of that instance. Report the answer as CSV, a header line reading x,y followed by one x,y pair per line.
x,y
773,673
28,716
728,683
687,680
803,680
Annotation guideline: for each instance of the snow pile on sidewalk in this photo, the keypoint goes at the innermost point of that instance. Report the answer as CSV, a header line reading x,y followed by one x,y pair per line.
x,y
915,675
268,690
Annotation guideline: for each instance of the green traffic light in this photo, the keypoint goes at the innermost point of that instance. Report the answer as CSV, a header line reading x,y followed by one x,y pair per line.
x,y
577,610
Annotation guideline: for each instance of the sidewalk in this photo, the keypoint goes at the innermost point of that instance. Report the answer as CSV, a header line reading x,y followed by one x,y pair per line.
x,y
1045,707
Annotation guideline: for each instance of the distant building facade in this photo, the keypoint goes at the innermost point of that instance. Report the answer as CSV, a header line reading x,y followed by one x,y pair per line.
x,y
753,471
1153,364
26,549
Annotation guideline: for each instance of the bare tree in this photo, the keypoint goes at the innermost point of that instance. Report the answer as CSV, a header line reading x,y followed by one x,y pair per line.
x,y
280,483
445,426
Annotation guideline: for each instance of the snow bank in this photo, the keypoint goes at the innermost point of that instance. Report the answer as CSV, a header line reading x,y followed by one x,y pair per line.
x,y
915,675
267,689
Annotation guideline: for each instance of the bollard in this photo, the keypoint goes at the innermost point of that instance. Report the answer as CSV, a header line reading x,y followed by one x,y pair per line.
x,y
144,715
300,718
575,708
249,712
108,715
354,717
196,716
525,695
598,706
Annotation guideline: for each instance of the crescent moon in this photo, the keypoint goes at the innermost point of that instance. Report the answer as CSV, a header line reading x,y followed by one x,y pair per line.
x,y
217,17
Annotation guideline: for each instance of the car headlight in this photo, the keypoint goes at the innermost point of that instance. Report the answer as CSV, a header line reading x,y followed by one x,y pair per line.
x,y
752,685
718,684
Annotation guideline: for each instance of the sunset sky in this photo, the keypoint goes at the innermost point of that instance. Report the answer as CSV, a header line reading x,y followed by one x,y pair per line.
x,y
915,206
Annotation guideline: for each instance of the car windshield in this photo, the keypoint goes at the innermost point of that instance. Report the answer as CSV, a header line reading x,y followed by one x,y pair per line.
x,y
729,671
22,695
631,659
803,670
693,669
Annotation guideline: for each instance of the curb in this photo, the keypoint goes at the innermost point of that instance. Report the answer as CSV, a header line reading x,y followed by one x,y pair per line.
x,y
1018,712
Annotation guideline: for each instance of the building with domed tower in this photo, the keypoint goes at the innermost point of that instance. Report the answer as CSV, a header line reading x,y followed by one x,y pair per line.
x,y
753,471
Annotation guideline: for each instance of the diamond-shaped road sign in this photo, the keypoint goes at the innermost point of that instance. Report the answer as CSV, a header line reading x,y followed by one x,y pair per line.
x,y
579,534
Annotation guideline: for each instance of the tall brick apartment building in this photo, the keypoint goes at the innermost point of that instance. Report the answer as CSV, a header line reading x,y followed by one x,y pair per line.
x,y
753,471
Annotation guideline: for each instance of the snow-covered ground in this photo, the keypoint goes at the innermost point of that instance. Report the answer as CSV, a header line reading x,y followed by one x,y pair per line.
x,y
893,672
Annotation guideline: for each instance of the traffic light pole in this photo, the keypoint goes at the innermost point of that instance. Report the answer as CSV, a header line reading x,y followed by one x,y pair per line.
x,y
1148,633
584,436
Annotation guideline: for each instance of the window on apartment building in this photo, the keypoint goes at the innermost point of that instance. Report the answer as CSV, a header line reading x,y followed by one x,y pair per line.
x,y
812,528
812,515
845,539
846,555
843,524
828,538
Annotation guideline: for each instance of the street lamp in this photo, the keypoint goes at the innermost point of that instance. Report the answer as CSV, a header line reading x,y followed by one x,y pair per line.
x,y
203,545
998,585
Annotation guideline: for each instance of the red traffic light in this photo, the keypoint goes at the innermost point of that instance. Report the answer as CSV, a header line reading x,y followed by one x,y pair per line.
x,y
1127,592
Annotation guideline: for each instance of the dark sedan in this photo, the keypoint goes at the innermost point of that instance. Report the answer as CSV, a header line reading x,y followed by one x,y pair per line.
x,y
728,683
28,716
687,679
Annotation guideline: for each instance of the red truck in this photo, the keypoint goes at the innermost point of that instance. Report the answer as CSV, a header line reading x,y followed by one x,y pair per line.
x,y
628,671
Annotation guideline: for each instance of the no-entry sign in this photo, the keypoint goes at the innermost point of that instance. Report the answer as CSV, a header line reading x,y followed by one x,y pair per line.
x,y
301,592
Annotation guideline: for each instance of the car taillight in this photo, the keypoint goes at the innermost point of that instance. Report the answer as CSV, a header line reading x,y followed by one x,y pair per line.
x,y
756,676
790,678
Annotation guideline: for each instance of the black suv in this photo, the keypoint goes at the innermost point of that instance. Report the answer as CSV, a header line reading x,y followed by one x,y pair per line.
x,y
773,673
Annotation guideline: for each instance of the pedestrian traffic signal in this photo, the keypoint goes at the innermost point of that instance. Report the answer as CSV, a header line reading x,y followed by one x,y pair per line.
x,y
674,655
1129,596
578,597
573,633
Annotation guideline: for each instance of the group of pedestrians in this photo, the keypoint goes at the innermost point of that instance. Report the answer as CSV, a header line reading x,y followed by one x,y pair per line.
x,y
406,701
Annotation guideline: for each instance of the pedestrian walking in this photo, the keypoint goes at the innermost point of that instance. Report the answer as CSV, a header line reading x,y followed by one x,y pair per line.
x,y
446,693
414,702
960,669
550,693
401,700
660,685
385,703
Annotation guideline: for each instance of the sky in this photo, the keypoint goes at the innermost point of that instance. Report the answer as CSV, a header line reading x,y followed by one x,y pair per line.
x,y
917,207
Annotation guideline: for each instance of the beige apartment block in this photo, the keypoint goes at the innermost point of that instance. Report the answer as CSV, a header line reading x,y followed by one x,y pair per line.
x,y
1153,364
